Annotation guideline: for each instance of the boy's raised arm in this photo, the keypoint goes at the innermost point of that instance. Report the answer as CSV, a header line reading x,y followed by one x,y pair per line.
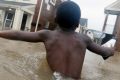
x,y
39,36
105,52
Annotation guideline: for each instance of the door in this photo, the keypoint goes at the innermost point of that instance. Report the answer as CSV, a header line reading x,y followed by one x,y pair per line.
x,y
24,20
8,20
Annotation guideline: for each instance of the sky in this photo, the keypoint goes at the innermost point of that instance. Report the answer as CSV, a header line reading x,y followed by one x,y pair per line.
x,y
93,10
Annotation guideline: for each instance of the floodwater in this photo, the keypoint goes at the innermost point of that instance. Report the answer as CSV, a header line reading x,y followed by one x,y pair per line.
x,y
26,61
95,68
23,61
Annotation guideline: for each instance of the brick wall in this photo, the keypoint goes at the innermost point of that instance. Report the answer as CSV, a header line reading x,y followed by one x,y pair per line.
x,y
46,15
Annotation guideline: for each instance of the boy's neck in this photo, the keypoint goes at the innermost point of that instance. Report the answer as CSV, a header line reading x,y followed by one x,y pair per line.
x,y
66,30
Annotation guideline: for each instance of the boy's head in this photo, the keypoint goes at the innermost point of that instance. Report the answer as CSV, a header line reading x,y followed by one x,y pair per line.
x,y
68,15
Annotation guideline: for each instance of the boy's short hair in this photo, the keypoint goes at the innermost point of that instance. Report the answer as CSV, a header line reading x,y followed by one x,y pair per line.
x,y
68,15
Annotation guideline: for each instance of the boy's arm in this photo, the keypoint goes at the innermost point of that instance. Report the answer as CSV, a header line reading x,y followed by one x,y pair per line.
x,y
39,36
105,52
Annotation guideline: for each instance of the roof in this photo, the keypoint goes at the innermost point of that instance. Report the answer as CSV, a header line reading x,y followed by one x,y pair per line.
x,y
113,8
12,4
15,3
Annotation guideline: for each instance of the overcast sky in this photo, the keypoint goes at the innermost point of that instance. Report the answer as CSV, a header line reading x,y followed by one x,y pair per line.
x,y
94,11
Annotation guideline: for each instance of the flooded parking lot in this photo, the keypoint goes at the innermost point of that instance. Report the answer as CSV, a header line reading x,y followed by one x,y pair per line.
x,y
26,61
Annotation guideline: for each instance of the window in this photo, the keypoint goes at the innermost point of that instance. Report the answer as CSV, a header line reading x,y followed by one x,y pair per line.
x,y
110,25
10,16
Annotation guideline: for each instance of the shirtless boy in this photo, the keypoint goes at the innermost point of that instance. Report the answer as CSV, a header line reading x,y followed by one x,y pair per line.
x,y
65,48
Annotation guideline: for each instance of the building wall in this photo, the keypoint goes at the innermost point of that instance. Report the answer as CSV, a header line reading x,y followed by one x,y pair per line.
x,y
118,34
47,16
1,20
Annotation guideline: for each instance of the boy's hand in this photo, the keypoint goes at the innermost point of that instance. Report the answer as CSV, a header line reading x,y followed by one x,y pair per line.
x,y
110,52
105,50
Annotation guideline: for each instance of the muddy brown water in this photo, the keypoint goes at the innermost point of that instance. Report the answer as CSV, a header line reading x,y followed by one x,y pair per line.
x,y
26,61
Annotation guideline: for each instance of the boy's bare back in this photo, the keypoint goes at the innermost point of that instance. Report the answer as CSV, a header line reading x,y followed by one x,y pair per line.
x,y
65,52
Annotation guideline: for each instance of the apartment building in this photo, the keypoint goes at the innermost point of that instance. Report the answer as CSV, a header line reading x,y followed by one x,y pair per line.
x,y
19,14
16,14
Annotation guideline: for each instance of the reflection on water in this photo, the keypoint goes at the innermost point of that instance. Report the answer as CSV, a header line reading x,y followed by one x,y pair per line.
x,y
26,61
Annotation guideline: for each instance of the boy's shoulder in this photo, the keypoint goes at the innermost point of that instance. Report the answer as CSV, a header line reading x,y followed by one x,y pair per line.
x,y
45,32
85,38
